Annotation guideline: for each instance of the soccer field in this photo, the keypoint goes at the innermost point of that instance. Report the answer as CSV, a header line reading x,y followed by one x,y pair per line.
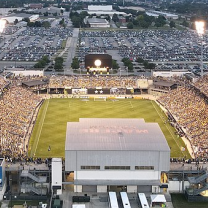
x,y
50,127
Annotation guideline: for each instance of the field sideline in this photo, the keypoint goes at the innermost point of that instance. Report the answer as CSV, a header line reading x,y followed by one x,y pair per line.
x,y
50,127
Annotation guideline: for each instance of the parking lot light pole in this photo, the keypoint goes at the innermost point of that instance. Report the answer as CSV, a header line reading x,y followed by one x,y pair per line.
x,y
2,25
10,181
200,30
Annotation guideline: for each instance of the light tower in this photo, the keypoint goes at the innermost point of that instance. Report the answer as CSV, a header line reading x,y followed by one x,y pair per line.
x,y
2,25
200,30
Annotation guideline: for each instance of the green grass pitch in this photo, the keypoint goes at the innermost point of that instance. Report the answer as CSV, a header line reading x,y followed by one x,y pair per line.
x,y
50,127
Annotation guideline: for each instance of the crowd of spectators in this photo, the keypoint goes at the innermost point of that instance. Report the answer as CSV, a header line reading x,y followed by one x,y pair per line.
x,y
17,106
93,81
3,83
189,107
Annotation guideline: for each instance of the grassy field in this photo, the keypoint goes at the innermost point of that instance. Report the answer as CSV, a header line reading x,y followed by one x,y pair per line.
x,y
179,201
50,127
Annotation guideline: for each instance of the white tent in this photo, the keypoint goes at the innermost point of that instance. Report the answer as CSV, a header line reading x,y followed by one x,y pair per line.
x,y
157,198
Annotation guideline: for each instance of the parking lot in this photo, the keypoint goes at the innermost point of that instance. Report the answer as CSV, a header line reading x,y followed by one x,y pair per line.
x,y
168,49
31,43
179,48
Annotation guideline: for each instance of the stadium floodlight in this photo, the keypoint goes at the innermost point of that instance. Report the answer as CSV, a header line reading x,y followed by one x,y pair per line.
x,y
2,25
200,27
97,62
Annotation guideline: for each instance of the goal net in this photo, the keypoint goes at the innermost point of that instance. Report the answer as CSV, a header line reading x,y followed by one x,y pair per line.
x,y
99,98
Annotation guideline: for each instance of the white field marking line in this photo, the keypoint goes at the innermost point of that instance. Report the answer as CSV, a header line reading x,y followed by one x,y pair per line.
x,y
41,125
167,128
131,104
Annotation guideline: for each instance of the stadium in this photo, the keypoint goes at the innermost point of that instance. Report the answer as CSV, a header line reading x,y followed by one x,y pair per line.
x,y
37,111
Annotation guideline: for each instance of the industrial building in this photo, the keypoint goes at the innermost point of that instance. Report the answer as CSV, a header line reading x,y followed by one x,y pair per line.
x,y
20,16
165,14
97,22
111,153
103,10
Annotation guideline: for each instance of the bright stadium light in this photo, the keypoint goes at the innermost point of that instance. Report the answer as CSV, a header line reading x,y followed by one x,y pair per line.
x,y
2,25
97,63
200,27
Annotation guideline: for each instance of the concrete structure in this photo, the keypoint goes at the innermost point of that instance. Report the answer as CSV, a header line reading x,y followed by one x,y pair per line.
x,y
56,182
173,73
103,10
11,18
166,15
100,8
116,152
97,22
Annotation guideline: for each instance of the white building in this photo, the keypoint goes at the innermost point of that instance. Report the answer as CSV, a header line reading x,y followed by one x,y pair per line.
x,y
165,14
97,22
107,153
11,18
56,182
103,10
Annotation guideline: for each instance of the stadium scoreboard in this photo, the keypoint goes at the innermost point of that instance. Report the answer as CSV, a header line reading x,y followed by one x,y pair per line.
x,y
98,62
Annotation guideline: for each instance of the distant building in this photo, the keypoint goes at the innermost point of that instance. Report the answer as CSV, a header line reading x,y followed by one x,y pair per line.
x,y
97,22
103,10
166,15
20,16
35,6
121,19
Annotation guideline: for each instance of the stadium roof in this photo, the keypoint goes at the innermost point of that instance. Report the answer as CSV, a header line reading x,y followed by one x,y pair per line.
x,y
114,134
34,83
164,83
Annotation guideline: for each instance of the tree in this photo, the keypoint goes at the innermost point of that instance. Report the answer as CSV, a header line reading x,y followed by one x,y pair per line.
x,y
16,21
46,59
46,24
115,64
130,25
185,23
26,19
45,14
58,66
115,18
172,24
140,60
75,63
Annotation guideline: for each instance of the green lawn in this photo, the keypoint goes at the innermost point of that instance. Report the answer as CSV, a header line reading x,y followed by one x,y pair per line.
x,y
179,201
50,127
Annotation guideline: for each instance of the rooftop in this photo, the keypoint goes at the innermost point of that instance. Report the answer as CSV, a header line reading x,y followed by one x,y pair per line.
x,y
114,134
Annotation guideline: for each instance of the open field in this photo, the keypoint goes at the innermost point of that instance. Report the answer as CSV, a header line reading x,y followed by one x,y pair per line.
x,y
179,201
50,127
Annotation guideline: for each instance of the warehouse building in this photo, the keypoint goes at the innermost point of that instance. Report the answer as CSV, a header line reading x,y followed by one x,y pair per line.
x,y
104,154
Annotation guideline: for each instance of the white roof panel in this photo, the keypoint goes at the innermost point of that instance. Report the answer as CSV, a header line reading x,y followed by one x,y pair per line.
x,y
114,134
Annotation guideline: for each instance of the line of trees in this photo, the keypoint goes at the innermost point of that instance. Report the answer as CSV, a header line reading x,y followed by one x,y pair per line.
x,y
146,64
45,24
42,62
78,19
128,63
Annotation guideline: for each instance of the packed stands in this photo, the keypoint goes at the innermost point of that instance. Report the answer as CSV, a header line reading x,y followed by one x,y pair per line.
x,y
93,81
190,109
17,106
